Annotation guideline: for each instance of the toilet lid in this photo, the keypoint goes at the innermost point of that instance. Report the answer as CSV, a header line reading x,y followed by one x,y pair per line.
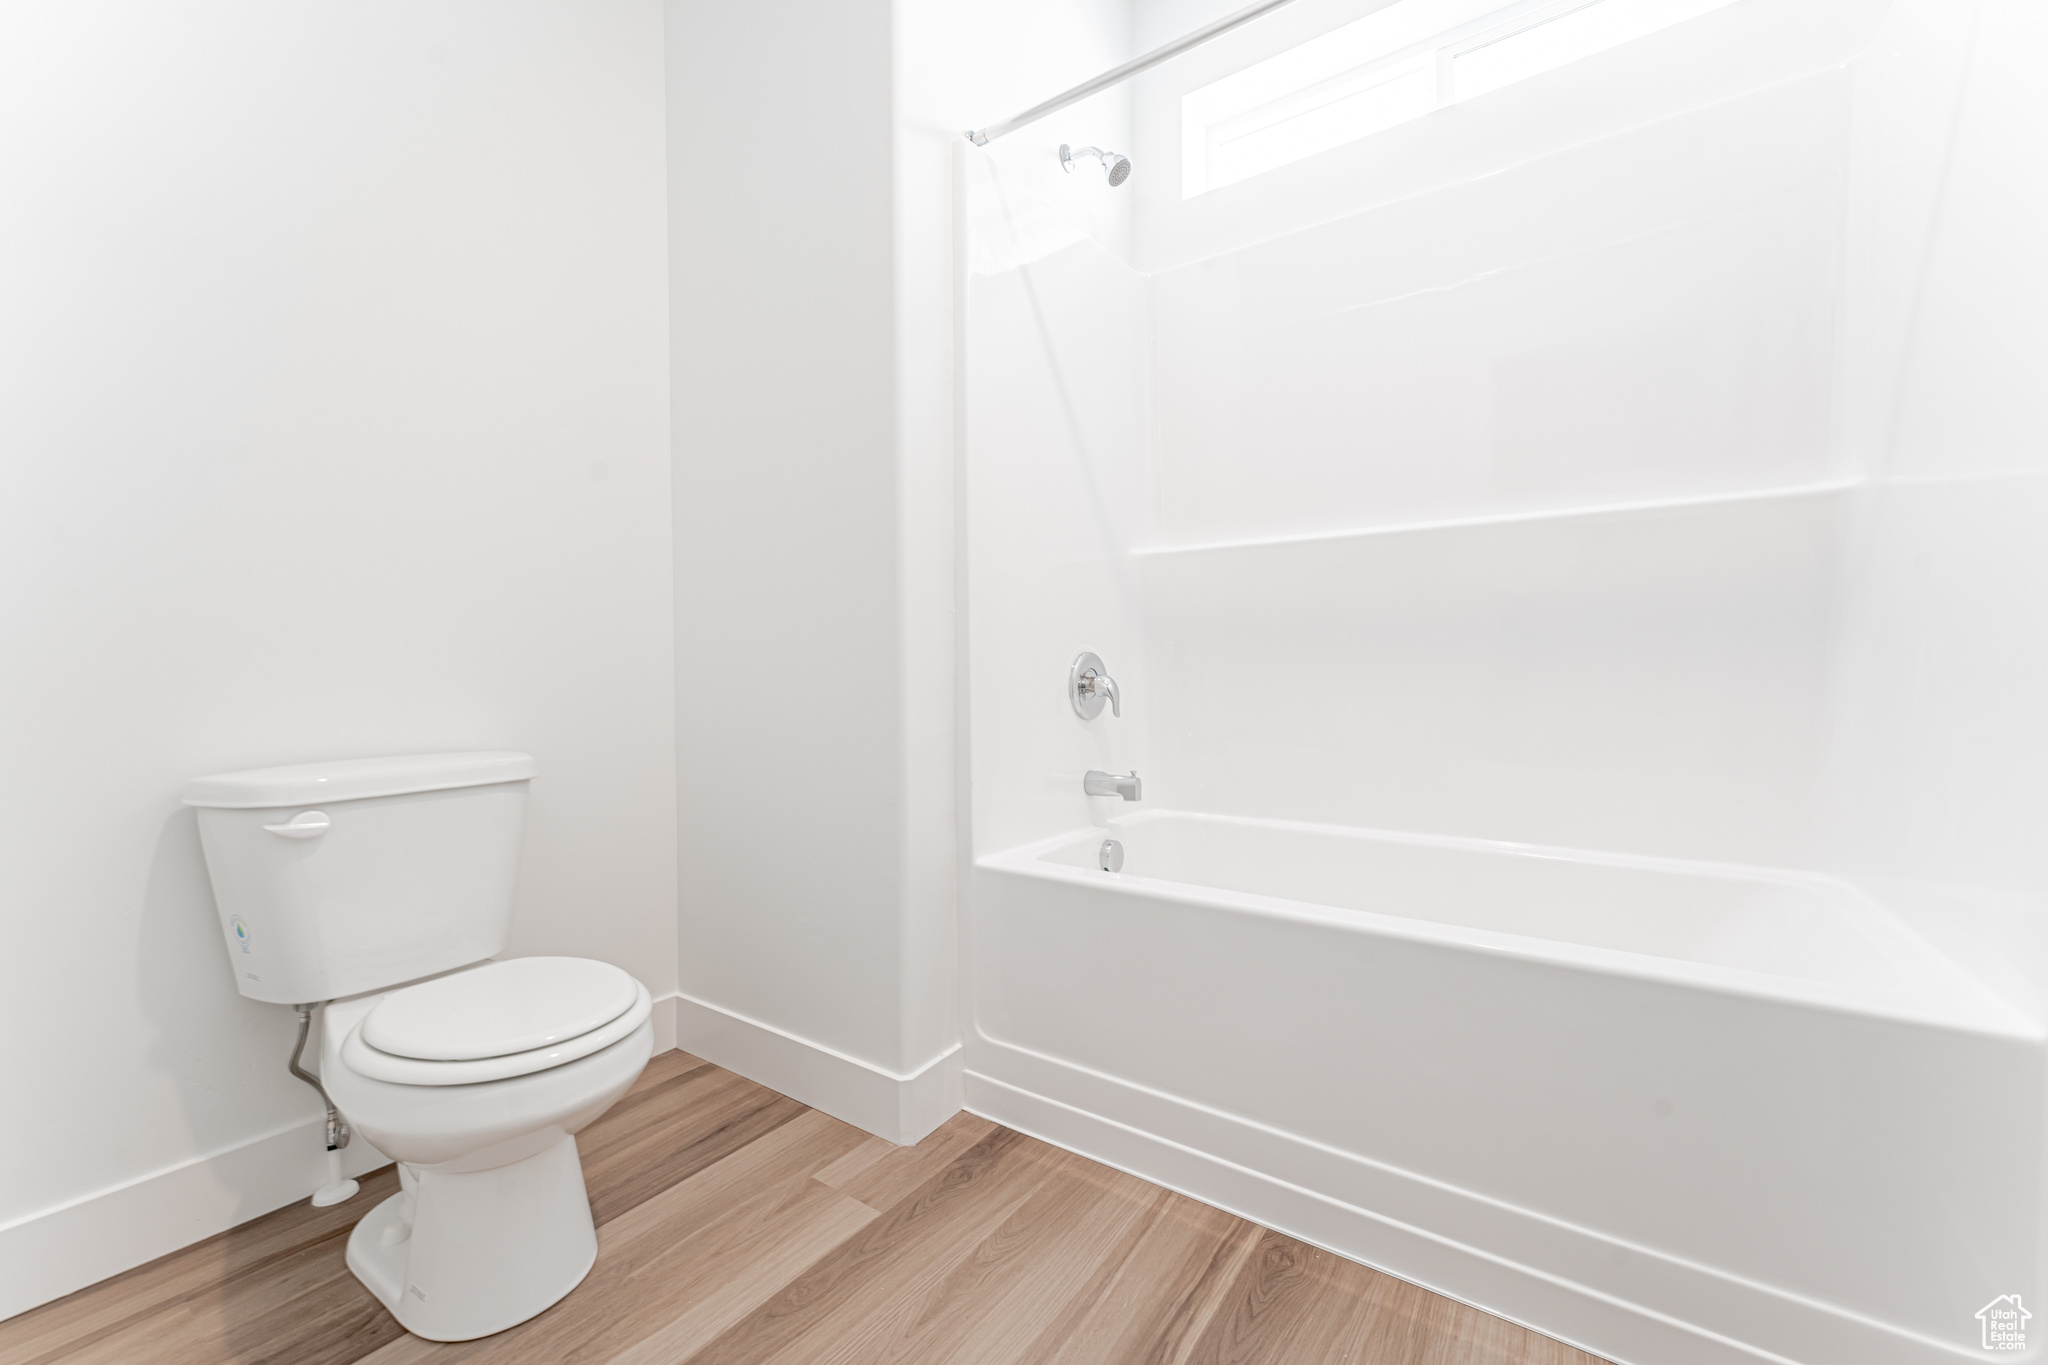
x,y
499,1008
368,1061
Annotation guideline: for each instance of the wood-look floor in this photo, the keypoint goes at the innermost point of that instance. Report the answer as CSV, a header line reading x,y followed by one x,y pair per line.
x,y
736,1225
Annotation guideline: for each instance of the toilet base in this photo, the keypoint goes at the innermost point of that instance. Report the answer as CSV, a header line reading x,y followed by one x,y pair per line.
x,y
459,1253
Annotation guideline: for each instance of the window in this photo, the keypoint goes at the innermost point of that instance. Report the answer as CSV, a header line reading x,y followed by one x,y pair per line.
x,y
1392,66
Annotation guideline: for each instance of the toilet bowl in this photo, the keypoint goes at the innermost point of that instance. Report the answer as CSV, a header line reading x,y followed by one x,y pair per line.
x,y
476,1083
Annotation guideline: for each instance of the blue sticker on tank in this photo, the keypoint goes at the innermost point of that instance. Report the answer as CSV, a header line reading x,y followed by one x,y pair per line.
x,y
241,931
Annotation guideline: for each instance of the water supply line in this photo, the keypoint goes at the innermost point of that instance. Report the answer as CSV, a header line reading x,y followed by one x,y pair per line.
x,y
981,137
336,1189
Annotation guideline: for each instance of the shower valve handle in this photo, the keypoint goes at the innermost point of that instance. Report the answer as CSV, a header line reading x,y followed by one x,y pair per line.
x,y
1089,685
1101,684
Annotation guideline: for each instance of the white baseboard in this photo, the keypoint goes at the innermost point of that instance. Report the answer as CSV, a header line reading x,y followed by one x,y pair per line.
x,y
664,1018
1626,1303
900,1107
51,1253
57,1251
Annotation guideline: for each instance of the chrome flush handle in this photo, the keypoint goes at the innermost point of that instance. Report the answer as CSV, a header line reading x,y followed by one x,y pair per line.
x,y
1089,683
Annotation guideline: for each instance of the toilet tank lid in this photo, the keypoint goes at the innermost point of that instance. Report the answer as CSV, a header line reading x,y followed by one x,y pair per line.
x,y
352,779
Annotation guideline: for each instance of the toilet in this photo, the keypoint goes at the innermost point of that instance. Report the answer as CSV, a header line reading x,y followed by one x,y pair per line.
x,y
383,888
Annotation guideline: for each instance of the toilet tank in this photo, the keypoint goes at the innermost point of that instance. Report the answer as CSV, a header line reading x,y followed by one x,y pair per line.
x,y
337,878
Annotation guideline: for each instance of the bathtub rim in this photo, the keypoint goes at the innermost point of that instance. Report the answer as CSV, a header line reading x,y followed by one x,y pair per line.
x,y
1958,1001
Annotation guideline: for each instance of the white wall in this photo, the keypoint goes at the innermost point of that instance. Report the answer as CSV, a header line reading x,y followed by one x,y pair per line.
x,y
333,405
813,571
790,736
811,154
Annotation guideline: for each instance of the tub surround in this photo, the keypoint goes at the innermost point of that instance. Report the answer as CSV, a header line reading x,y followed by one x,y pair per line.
x,y
1571,567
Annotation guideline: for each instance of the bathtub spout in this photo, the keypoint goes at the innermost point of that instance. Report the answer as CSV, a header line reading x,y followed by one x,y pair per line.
x,y
1098,783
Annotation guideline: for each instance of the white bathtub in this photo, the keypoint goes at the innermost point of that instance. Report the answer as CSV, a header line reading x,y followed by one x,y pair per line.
x,y
1674,1112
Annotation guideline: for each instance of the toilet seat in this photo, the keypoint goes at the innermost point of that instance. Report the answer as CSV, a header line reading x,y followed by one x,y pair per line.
x,y
429,1124
496,1021
499,1008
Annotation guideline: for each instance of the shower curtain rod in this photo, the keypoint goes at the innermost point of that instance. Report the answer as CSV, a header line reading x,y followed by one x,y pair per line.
x,y
981,137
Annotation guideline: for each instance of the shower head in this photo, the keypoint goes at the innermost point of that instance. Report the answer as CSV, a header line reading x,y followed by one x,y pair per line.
x,y
1115,164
